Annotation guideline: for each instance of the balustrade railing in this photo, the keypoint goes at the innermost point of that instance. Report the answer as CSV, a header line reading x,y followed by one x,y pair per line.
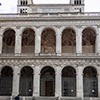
x,y
68,55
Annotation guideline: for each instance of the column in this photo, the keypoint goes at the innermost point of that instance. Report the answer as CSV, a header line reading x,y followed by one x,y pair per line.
x,y
36,85
79,80
98,82
1,39
98,41
16,78
58,82
18,41
58,42
79,41
38,41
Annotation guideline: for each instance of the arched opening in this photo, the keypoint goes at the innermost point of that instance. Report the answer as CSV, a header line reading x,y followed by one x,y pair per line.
x,y
48,43
68,41
47,81
8,41
88,40
90,82
69,81
6,81
28,41
26,81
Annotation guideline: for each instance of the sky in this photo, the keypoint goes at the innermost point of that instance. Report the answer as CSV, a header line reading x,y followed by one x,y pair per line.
x,y
10,6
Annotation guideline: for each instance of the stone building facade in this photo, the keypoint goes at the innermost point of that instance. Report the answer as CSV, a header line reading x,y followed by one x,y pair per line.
x,y
50,51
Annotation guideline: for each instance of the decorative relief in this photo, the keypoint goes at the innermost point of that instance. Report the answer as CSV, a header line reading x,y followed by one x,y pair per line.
x,y
48,41
51,62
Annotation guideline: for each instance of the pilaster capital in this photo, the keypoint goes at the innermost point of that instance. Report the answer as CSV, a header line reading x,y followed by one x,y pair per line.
x,y
1,35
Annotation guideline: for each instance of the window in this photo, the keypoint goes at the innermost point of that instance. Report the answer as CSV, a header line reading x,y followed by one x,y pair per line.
x,y
24,2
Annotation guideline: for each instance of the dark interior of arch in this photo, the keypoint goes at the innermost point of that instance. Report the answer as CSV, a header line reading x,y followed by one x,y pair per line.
x,y
89,37
90,82
26,81
88,40
8,41
90,72
68,72
47,81
6,81
48,41
68,41
47,69
28,41
69,81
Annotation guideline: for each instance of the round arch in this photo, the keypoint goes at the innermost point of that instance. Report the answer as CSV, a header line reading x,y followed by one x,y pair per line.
x,y
68,81
28,40
48,41
47,81
6,81
8,45
88,40
68,40
90,82
26,81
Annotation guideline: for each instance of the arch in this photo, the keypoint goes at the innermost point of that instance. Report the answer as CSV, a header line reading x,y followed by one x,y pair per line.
x,y
8,45
88,40
68,81
47,81
68,41
90,82
6,81
26,81
28,41
48,41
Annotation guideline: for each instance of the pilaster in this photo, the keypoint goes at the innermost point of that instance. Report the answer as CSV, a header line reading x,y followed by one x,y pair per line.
x,y
98,40
16,79
36,85
38,41
58,42
1,39
58,82
99,82
79,40
79,81
18,41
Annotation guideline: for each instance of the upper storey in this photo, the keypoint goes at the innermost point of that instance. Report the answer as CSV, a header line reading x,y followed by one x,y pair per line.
x,y
27,6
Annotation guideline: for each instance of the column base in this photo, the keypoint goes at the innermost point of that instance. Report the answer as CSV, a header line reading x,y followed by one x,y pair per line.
x,y
15,93
79,54
36,94
37,54
58,54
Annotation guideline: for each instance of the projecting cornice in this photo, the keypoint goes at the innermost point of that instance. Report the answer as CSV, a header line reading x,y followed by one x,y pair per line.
x,y
50,17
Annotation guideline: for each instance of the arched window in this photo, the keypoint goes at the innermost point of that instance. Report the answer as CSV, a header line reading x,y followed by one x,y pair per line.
x,y
6,81
47,81
8,41
26,2
21,2
68,81
28,41
48,44
90,82
26,81
88,40
68,41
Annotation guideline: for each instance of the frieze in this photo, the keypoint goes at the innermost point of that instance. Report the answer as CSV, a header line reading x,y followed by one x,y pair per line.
x,y
51,62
